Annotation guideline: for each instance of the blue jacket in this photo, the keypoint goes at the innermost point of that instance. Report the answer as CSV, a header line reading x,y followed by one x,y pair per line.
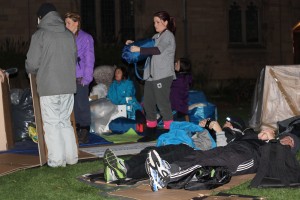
x,y
118,91
181,133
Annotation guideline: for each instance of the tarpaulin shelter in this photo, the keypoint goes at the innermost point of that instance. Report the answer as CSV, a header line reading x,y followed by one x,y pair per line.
x,y
276,97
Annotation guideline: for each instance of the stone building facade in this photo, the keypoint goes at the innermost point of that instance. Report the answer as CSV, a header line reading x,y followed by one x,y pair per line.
x,y
225,39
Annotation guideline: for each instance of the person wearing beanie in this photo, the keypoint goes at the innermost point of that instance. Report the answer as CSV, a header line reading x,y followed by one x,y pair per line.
x,y
44,9
236,122
84,75
173,162
52,58
233,127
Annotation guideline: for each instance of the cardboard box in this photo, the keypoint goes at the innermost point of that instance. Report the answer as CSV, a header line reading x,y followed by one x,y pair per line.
x,y
11,162
6,131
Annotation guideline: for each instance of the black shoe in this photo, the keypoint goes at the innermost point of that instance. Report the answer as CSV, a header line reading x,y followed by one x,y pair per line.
x,y
83,135
150,135
146,139
140,117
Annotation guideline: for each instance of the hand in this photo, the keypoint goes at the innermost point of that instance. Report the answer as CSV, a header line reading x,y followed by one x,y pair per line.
x,y
287,140
135,49
266,134
129,42
214,125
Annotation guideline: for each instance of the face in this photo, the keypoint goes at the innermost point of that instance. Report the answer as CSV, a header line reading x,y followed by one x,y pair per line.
x,y
228,125
267,134
177,65
118,75
71,25
159,24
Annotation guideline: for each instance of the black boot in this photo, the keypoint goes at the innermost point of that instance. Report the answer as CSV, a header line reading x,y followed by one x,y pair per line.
x,y
150,135
83,135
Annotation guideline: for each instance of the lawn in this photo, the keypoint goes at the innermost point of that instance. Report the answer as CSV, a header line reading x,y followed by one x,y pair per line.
x,y
61,183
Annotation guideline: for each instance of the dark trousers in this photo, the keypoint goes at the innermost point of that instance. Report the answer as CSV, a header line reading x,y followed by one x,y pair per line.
x,y
136,164
238,159
157,93
82,106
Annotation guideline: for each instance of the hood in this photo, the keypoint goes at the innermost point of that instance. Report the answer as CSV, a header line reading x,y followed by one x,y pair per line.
x,y
52,22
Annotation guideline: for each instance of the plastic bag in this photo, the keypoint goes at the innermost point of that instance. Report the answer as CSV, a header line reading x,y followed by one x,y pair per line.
x,y
15,95
22,116
101,112
100,90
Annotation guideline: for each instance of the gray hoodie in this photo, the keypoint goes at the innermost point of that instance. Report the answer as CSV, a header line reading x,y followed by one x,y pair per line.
x,y
52,57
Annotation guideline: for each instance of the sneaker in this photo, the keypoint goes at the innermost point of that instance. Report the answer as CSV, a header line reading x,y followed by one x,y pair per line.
x,y
116,164
109,175
158,171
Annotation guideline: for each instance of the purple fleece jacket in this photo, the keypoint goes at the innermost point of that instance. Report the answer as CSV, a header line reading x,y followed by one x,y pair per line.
x,y
179,95
85,57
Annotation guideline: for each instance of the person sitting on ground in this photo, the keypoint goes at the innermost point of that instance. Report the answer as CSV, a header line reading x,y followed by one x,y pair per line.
x,y
122,92
116,168
179,94
240,156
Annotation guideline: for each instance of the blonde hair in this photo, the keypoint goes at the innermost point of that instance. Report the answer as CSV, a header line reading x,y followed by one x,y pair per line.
x,y
75,17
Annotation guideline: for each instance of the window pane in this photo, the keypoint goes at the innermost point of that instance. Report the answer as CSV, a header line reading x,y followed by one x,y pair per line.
x,y
127,20
252,23
88,17
108,20
235,23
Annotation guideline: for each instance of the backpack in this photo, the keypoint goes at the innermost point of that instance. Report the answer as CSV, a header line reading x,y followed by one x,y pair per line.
x,y
204,178
290,125
278,167
135,57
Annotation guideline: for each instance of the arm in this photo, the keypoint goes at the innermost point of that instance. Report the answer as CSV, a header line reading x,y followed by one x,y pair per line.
x,y
130,89
221,139
32,62
89,61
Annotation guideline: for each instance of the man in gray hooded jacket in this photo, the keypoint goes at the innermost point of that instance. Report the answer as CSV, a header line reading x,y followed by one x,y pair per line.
x,y
52,57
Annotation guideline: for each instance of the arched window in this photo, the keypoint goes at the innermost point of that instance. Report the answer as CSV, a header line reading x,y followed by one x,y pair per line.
x,y
244,23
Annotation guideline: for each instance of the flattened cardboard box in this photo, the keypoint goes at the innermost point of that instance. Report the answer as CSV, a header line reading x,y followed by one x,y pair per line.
x,y
6,133
13,162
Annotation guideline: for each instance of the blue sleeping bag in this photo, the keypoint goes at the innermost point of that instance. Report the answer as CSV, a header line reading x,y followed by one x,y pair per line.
x,y
134,57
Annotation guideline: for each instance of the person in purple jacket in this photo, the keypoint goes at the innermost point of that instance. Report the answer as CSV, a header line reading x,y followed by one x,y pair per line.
x,y
179,95
84,75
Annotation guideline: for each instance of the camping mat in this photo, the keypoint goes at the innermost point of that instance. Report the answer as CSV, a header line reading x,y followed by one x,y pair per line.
x,y
94,140
129,136
144,192
119,149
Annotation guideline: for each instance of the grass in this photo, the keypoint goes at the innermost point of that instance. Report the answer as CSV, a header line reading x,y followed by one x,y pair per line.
x,y
61,183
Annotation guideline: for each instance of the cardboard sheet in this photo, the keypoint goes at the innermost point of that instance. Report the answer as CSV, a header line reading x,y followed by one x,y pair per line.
x,y
144,192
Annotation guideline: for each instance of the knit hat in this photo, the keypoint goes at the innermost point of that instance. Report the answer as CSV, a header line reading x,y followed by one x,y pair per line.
x,y
44,9
236,122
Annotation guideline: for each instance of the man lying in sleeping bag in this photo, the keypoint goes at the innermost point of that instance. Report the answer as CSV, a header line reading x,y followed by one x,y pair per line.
x,y
240,156
116,168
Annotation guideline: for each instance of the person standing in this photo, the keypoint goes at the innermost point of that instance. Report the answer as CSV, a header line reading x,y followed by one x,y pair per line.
x,y
52,57
84,75
160,73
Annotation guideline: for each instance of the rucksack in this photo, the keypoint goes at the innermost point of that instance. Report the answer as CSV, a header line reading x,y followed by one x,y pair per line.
x,y
204,178
290,125
278,167
135,57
